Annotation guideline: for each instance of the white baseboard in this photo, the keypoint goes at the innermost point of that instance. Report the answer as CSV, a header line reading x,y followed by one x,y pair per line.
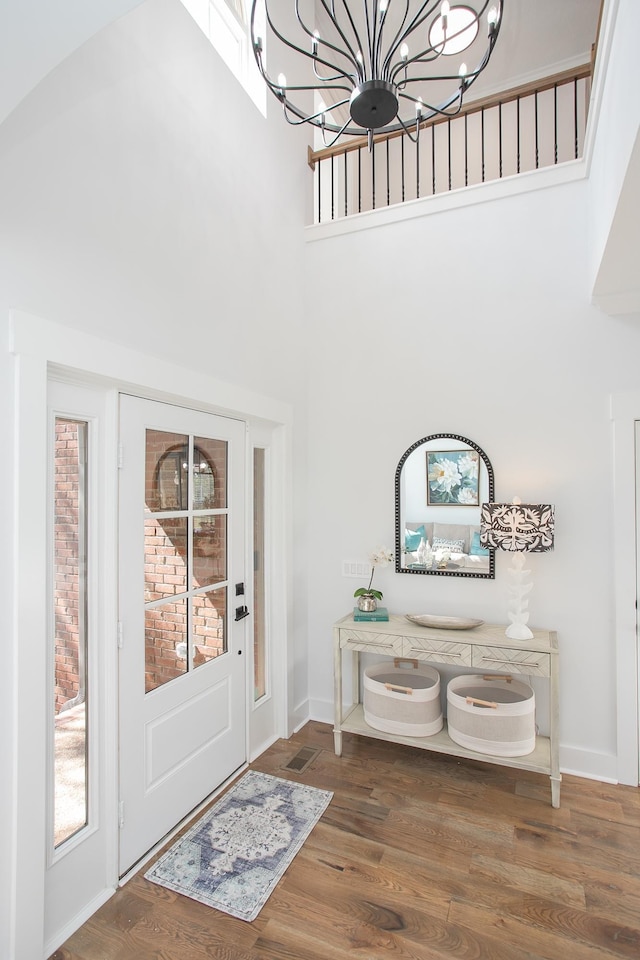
x,y
589,764
300,716
321,710
70,928
258,751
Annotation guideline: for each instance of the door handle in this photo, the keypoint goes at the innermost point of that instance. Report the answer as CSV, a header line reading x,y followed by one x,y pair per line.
x,y
241,613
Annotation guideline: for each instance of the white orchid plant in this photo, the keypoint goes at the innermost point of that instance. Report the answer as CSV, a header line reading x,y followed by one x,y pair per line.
x,y
381,558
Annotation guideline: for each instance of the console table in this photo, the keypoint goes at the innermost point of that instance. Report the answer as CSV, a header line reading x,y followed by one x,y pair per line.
x,y
482,648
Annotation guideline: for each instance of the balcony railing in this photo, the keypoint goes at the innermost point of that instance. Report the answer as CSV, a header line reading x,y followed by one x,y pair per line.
x,y
526,128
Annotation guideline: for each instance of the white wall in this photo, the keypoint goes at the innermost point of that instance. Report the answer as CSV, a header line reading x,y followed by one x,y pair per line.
x,y
475,321
614,194
145,200
36,36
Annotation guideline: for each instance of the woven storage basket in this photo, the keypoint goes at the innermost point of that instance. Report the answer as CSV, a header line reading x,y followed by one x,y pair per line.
x,y
493,715
403,700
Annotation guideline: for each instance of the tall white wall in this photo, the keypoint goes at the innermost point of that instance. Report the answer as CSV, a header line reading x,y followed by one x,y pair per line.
x,y
475,321
144,199
614,194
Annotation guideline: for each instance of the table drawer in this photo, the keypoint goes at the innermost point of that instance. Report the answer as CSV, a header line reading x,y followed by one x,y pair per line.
x,y
439,651
508,660
381,643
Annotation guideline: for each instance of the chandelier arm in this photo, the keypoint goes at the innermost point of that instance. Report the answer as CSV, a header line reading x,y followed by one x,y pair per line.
x,y
305,53
338,28
349,56
277,88
282,94
327,79
338,134
443,108
379,33
406,31
371,35
402,66
355,32
468,79
394,43
419,18
314,118
413,137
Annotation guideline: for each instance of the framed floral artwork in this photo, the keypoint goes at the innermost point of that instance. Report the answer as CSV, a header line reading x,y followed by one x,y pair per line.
x,y
452,478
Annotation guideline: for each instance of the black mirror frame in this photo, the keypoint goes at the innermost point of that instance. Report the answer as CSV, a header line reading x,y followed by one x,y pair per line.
x,y
398,550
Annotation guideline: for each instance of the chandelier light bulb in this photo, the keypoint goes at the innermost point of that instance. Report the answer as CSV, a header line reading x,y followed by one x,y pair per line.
x,y
314,42
444,15
462,72
492,19
404,51
282,82
383,7
419,107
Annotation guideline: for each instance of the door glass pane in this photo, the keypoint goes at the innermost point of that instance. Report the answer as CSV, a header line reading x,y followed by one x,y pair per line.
x,y
259,618
165,631
183,554
166,471
165,557
209,625
209,550
209,474
70,628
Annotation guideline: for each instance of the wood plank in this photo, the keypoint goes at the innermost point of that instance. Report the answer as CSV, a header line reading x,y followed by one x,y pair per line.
x,y
418,857
529,879
553,931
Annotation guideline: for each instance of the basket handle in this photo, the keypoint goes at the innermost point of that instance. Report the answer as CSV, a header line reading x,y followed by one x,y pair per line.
x,y
398,660
498,676
482,703
395,686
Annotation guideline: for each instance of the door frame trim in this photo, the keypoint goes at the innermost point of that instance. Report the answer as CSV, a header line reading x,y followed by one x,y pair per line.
x,y
625,413
43,349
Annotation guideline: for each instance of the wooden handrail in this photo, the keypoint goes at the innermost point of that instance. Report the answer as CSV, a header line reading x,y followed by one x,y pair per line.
x,y
485,103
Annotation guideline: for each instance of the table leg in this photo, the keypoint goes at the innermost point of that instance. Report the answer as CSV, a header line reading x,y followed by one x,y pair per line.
x,y
555,791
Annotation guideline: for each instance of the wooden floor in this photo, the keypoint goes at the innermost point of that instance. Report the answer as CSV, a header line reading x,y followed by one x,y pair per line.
x,y
418,856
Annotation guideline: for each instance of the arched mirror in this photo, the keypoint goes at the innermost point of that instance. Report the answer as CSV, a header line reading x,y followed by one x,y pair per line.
x,y
441,481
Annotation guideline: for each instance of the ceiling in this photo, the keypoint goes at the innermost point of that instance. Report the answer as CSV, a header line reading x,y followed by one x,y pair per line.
x,y
538,37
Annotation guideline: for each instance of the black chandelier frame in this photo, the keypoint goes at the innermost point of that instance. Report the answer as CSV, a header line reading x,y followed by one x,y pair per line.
x,y
378,82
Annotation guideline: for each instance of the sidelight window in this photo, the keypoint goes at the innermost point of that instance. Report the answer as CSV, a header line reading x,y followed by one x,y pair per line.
x,y
70,640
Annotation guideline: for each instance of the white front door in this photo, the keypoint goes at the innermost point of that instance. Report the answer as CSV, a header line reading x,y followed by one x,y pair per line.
x,y
182,660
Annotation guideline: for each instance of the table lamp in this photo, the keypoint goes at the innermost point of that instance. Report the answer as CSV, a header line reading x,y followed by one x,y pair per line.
x,y
519,528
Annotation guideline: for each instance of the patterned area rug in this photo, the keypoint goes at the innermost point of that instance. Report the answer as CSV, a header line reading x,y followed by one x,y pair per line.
x,y
233,857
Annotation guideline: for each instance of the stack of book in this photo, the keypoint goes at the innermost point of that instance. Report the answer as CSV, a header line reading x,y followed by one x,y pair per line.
x,y
381,613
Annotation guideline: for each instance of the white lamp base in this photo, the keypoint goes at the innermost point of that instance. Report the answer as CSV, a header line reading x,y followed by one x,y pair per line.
x,y
518,631
519,587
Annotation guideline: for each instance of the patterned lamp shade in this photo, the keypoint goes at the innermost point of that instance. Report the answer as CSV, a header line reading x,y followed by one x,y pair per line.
x,y
517,527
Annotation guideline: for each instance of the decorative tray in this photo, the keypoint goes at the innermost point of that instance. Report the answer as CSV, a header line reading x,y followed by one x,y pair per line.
x,y
443,623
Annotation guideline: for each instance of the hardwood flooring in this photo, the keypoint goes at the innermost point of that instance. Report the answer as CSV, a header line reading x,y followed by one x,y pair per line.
x,y
418,857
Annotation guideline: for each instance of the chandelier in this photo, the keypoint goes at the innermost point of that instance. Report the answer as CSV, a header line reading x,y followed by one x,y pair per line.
x,y
380,67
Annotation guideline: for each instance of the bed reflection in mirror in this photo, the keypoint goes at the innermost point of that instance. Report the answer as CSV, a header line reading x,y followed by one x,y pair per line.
x,y
440,483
